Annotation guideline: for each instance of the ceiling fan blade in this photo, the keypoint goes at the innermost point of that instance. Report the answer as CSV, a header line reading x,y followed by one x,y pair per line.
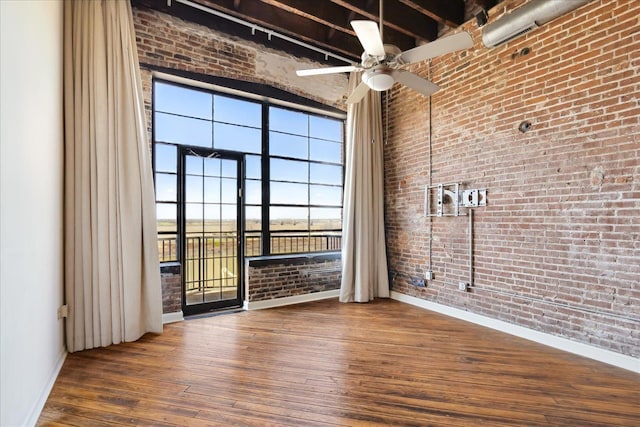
x,y
415,82
328,70
438,47
358,93
369,36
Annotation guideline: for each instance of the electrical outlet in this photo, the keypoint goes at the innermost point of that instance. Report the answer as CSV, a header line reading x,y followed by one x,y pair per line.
x,y
462,286
428,275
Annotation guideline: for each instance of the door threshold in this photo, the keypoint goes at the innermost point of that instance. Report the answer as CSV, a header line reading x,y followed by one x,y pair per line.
x,y
214,313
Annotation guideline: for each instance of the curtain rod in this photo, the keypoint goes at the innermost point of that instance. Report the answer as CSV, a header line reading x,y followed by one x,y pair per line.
x,y
254,28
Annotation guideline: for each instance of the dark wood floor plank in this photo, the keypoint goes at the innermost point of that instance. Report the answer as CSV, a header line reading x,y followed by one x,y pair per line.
x,y
326,363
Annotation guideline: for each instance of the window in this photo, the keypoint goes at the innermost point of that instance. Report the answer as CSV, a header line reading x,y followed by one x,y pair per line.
x,y
293,167
305,183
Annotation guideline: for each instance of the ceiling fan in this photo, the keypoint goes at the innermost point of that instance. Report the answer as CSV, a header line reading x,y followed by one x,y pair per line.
x,y
382,63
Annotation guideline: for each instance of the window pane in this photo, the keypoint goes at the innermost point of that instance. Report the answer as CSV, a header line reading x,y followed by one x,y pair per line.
x,y
237,138
237,111
182,130
253,192
166,214
253,217
180,100
166,158
289,170
193,165
193,189
194,216
281,144
229,190
290,242
229,216
168,247
212,190
285,193
211,166
253,227
288,218
324,151
325,174
212,216
326,218
325,195
166,187
288,121
229,168
253,167
324,128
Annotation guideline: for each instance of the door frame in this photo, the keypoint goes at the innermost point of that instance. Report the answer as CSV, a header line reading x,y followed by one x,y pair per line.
x,y
183,152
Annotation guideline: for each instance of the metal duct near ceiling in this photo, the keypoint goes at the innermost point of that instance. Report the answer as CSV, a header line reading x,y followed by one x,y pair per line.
x,y
526,18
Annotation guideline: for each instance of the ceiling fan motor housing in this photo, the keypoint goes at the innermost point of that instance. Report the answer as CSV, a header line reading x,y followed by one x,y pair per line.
x,y
378,78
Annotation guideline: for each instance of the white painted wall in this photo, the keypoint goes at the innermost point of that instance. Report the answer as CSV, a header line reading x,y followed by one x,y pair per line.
x,y
31,156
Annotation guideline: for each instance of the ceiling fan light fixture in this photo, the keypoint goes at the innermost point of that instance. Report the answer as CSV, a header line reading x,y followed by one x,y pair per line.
x,y
378,79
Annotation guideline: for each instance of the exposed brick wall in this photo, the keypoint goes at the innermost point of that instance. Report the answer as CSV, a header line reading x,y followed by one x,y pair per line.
x,y
170,277
281,277
169,42
557,248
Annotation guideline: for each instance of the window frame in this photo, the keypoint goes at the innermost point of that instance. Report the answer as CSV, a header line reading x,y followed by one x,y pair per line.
x,y
264,157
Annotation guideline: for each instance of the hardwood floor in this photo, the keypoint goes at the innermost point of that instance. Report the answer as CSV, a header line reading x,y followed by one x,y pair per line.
x,y
326,363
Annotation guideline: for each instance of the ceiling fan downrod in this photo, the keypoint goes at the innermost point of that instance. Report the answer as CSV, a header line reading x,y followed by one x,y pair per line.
x,y
381,21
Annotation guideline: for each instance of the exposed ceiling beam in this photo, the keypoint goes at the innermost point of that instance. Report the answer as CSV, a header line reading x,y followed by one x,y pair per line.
x,y
447,12
324,24
398,17
194,15
301,18
285,22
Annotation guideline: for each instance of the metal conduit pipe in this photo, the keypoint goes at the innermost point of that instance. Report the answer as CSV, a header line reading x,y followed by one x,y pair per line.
x,y
470,248
526,18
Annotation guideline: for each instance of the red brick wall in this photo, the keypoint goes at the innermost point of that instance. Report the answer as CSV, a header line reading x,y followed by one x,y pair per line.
x,y
171,278
169,42
557,248
281,277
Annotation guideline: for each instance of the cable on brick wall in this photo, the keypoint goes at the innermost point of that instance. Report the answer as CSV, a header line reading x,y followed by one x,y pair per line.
x,y
430,132
555,303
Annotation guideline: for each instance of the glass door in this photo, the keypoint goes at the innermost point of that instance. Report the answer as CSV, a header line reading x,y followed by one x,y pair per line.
x,y
212,228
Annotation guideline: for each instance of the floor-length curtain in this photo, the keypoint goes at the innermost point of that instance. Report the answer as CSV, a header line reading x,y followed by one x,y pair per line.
x,y
364,259
112,277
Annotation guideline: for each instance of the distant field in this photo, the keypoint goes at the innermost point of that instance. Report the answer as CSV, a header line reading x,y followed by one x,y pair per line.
x,y
253,225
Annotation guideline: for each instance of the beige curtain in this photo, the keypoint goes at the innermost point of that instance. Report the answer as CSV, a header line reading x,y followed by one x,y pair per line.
x,y
364,256
112,276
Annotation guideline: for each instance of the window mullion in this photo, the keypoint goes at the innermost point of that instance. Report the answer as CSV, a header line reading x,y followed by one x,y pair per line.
x,y
266,182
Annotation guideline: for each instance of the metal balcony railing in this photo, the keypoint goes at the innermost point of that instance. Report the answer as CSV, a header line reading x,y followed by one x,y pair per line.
x,y
280,243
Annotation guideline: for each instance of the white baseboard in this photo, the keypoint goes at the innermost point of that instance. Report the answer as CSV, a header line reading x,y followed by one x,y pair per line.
x,y
591,352
176,316
297,299
36,410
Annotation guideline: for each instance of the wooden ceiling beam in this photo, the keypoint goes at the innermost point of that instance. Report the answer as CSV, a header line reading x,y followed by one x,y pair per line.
x,y
447,12
337,17
285,22
196,16
397,16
